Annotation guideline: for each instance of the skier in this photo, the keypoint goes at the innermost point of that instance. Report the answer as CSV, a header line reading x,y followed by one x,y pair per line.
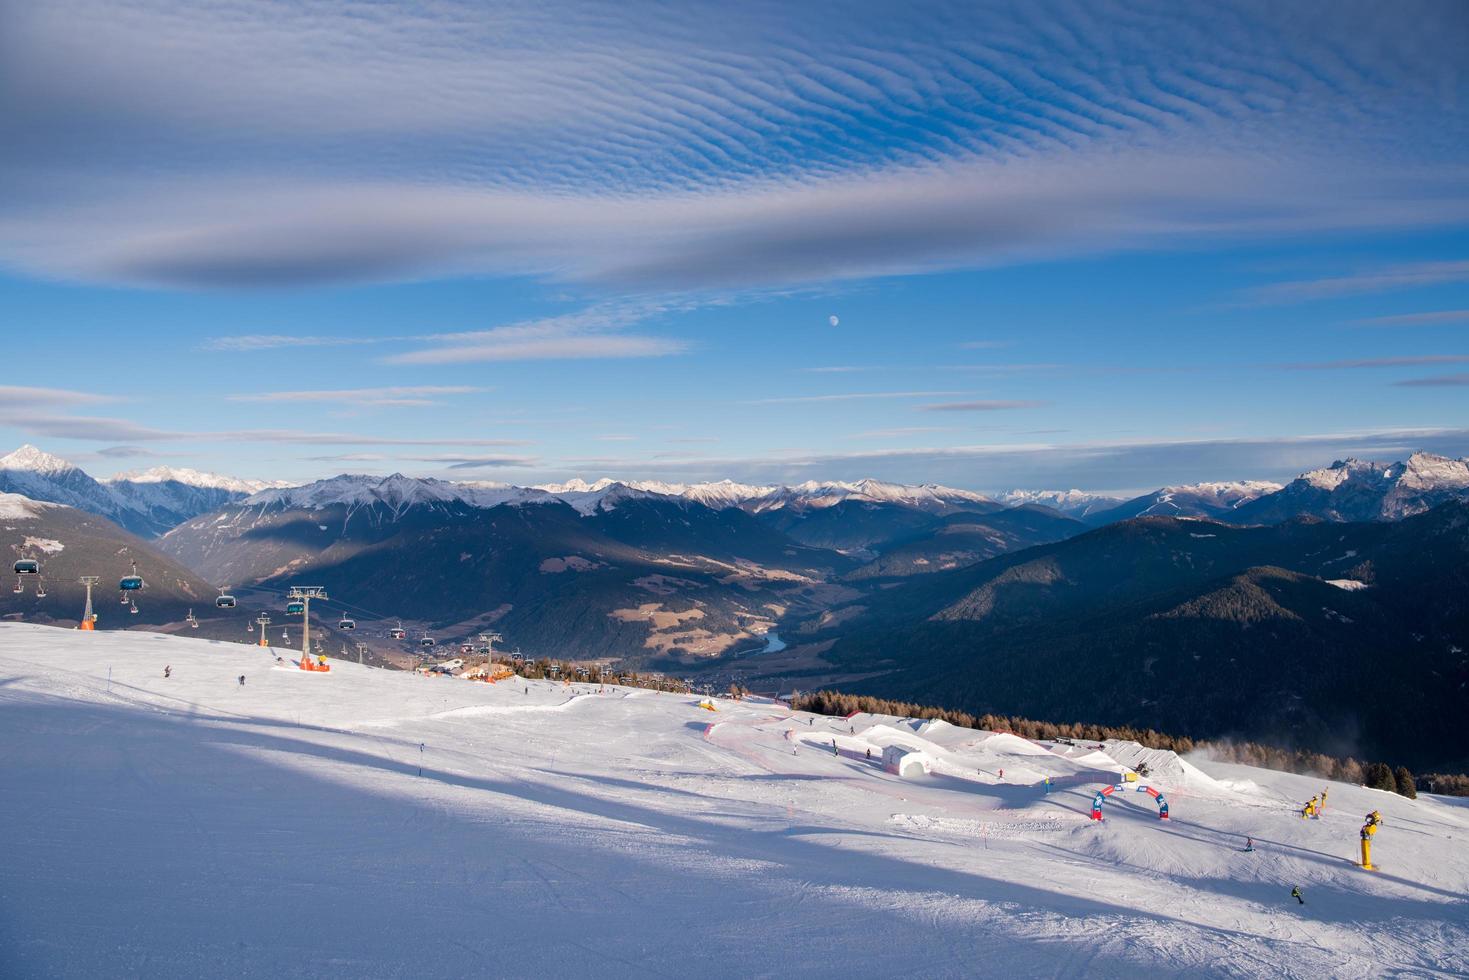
x,y
1322,808
869,755
1002,774
242,680
1048,784
168,671
1295,893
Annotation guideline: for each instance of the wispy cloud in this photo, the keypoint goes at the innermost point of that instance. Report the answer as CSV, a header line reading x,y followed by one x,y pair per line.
x,y
18,397
690,147
396,396
597,332
1379,362
1442,381
851,397
901,432
1103,465
1387,279
981,406
1416,319
477,462
270,341
838,369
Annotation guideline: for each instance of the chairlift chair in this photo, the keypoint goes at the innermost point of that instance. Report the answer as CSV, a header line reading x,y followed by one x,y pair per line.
x,y
19,586
40,590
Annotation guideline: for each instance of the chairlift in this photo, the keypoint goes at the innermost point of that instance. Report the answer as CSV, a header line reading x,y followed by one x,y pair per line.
x,y
285,636
133,608
19,586
249,626
191,620
40,590
347,623
225,600
27,566
132,582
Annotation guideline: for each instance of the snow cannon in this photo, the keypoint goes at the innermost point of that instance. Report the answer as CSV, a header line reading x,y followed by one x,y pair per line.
x,y
1369,829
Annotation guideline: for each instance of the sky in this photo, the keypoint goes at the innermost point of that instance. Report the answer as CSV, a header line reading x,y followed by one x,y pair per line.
x,y
991,245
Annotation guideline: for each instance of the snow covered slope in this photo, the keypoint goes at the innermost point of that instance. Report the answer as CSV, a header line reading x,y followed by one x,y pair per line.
x,y
364,823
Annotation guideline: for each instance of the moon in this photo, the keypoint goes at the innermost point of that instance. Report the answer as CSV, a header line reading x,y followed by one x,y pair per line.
x,y
833,320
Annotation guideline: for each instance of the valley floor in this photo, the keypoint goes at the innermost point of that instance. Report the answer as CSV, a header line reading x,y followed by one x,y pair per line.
x,y
369,823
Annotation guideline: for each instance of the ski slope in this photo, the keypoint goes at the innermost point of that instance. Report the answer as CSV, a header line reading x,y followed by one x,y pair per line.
x,y
367,823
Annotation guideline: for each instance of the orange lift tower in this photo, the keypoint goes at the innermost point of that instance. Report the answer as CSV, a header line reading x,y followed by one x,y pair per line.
x,y
89,618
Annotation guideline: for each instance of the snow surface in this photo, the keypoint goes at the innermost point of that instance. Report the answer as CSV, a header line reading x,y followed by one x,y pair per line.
x,y
189,827
16,507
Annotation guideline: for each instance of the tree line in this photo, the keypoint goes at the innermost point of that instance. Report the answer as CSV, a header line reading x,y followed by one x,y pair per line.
x,y
1377,775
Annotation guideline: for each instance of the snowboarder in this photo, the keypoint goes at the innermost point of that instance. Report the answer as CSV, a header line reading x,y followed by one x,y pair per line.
x,y
1249,844
168,671
869,755
834,750
242,680
1295,893
1048,784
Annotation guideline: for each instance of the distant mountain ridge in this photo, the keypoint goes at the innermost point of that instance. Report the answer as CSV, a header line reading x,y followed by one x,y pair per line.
x,y
147,503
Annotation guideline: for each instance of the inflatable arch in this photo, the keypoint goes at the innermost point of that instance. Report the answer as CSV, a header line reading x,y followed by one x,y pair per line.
x,y
1107,791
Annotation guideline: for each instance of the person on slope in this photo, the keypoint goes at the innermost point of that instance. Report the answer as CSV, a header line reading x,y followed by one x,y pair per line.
x,y
242,680
168,671
1295,893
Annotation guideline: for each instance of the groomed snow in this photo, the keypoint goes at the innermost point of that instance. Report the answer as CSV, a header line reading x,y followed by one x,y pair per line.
x,y
190,826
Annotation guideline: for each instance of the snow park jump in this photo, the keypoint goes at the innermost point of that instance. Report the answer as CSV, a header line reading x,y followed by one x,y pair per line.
x,y
1108,790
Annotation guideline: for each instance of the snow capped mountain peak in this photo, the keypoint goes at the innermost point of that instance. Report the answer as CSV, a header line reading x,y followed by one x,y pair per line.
x,y
195,478
1073,503
33,460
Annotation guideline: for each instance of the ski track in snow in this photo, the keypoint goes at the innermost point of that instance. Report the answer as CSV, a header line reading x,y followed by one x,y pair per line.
x,y
193,827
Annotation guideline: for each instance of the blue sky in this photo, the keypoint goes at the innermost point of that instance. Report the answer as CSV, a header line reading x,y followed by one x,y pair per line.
x,y
1094,245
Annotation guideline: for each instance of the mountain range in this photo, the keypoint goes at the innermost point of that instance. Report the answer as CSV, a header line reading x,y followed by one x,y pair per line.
x,y
146,503
1311,612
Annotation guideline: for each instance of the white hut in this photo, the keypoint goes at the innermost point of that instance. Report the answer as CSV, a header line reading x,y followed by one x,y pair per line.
x,y
905,762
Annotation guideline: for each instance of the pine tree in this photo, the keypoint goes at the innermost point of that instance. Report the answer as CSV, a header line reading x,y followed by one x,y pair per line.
x,y
1405,786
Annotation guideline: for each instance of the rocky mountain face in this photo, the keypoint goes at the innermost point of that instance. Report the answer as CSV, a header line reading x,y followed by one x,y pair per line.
x,y
1355,490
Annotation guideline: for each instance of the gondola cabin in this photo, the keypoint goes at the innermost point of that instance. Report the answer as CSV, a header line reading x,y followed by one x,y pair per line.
x,y
225,601
347,624
27,566
398,634
295,608
427,641
130,583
